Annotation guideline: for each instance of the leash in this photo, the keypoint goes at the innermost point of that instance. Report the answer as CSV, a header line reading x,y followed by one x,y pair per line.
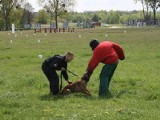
x,y
72,73
61,78
60,84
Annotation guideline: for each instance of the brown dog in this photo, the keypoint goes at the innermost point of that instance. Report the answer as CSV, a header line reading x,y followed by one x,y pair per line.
x,y
78,86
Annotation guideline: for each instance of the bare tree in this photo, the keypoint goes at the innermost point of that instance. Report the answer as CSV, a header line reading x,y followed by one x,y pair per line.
x,y
154,4
6,8
145,6
57,8
149,4
27,14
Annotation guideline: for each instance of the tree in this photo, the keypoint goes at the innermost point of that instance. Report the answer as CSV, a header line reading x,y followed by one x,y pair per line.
x,y
57,8
27,14
42,17
102,15
7,7
15,17
95,18
113,17
153,4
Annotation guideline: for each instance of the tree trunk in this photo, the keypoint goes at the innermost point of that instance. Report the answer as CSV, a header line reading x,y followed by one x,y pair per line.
x,y
143,9
154,11
6,23
56,14
56,19
154,15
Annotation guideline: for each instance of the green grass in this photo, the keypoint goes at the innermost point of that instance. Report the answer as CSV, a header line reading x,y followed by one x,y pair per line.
x,y
135,85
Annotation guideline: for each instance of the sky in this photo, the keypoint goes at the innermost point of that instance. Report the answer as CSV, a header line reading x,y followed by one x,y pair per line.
x,y
94,5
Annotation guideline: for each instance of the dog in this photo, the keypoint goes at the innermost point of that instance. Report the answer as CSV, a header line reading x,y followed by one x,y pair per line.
x,y
78,86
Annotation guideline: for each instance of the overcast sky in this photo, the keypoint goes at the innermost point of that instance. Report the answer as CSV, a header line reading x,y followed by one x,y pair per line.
x,y
93,5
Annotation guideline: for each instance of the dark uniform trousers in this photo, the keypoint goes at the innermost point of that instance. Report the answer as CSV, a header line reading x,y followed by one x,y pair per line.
x,y
52,77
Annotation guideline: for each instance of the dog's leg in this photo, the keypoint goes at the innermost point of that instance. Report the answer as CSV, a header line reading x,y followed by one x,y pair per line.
x,y
82,89
85,91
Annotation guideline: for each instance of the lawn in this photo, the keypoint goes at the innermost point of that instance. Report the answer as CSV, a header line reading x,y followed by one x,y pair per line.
x,y
135,85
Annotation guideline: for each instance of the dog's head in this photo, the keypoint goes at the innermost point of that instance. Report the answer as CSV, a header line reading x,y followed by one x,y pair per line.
x,y
66,91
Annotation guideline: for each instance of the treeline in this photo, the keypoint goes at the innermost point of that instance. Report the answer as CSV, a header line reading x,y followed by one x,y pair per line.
x,y
21,14
108,17
20,17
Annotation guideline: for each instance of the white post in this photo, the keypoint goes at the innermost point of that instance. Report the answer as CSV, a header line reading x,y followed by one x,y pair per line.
x,y
13,28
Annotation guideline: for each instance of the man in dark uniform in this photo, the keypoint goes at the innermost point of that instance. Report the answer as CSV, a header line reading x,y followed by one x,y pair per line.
x,y
49,67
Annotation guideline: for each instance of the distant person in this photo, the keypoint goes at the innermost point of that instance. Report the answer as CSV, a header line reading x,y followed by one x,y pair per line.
x,y
109,54
53,64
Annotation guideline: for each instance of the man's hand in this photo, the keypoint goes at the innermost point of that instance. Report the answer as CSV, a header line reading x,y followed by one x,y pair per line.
x,y
69,82
122,58
63,69
86,76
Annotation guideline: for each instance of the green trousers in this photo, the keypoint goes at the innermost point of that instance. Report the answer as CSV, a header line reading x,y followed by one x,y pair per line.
x,y
105,78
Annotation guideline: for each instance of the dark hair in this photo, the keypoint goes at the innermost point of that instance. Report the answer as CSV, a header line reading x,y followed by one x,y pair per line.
x,y
94,43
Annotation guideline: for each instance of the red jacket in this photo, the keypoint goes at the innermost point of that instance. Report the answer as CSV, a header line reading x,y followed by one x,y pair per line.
x,y
107,53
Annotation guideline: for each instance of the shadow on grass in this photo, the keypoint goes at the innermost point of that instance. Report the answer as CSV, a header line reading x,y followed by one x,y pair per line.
x,y
47,97
80,95
95,97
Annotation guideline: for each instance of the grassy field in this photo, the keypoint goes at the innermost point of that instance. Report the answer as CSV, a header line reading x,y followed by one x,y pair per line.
x,y
135,86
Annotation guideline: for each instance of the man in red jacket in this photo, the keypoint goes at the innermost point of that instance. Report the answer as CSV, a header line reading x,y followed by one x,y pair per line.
x,y
108,53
